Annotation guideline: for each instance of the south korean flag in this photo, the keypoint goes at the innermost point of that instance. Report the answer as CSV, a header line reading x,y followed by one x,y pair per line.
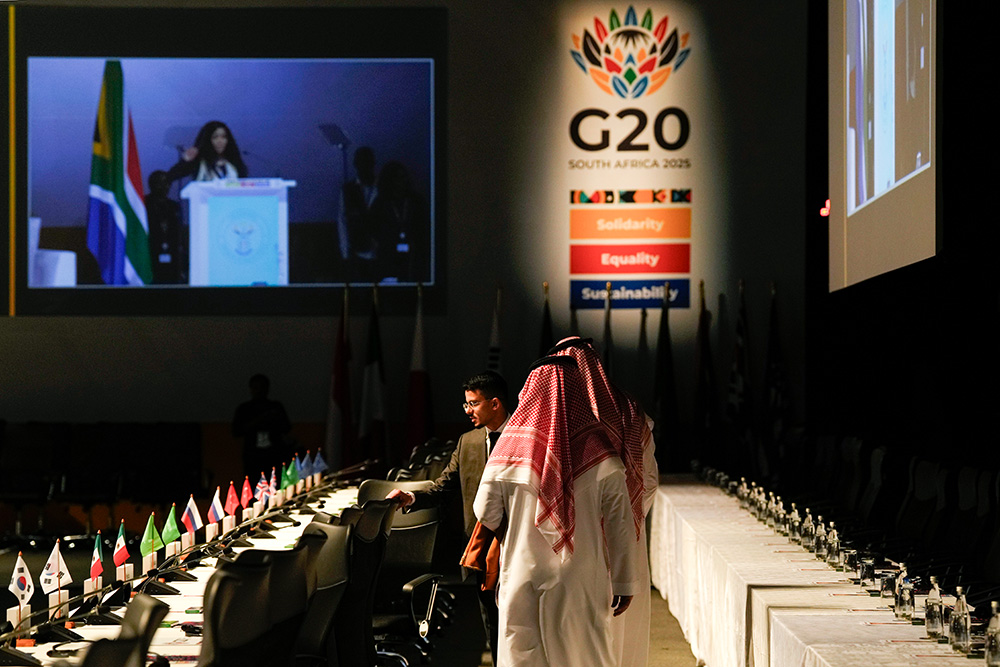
x,y
21,584
56,574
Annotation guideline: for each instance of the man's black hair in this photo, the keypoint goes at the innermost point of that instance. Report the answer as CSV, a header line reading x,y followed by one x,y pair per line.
x,y
490,383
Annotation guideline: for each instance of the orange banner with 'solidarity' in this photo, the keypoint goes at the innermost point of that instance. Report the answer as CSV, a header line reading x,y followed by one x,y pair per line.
x,y
630,223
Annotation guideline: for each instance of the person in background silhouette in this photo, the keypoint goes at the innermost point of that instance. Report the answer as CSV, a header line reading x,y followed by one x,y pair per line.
x,y
263,425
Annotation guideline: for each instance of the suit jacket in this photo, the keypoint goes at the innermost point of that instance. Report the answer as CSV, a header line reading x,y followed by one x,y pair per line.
x,y
463,472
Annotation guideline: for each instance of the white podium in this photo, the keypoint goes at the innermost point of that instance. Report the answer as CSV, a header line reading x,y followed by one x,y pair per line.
x,y
238,232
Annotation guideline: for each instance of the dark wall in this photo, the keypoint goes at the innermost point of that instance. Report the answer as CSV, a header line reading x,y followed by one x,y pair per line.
x,y
909,359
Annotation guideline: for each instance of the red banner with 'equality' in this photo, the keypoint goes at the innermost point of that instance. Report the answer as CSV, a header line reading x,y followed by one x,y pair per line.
x,y
637,258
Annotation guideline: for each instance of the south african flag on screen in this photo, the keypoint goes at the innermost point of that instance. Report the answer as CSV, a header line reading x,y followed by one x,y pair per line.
x,y
117,232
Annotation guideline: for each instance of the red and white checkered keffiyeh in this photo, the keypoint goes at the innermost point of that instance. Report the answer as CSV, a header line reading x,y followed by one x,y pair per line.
x,y
620,415
549,441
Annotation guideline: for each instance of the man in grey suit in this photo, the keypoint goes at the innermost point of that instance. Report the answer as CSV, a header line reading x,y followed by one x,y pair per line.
x,y
486,406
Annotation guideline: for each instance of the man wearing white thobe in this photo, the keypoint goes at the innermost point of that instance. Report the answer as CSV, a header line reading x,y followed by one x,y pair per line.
x,y
551,481
630,432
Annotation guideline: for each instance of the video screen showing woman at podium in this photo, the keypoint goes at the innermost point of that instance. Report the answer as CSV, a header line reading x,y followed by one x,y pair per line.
x,y
254,194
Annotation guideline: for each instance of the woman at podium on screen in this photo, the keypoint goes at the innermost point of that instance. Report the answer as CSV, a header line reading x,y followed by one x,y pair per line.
x,y
213,157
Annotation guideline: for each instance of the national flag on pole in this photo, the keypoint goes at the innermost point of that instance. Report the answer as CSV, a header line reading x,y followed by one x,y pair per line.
x,y
117,231
263,490
547,338
151,540
21,583
56,574
215,510
246,495
171,532
608,343
319,463
340,434
191,517
120,556
493,361
739,406
290,475
372,438
232,500
96,566
274,481
705,387
419,413
776,394
643,360
306,469
664,388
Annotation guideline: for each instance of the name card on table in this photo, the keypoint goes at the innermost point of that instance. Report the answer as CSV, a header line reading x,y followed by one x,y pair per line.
x,y
211,531
172,549
149,562
58,606
187,541
17,616
91,585
124,572
228,523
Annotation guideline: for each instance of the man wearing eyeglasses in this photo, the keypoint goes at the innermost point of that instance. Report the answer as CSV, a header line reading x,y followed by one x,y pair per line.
x,y
486,406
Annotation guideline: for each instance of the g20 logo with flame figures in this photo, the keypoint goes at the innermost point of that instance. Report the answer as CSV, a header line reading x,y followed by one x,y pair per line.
x,y
630,58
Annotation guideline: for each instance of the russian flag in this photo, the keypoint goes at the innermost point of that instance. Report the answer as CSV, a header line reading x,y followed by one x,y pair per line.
x,y
216,511
191,517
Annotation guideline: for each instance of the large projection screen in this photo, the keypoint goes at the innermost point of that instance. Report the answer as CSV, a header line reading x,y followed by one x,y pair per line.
x,y
882,73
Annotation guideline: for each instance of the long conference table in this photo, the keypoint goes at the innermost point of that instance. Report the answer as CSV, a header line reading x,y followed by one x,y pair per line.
x,y
746,597
170,640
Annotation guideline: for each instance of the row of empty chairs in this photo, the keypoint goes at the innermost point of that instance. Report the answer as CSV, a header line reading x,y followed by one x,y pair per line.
x,y
426,462
354,592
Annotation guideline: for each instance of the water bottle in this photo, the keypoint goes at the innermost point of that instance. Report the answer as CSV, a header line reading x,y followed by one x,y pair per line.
x,y
833,548
993,638
794,526
743,493
820,539
904,595
808,532
933,610
961,623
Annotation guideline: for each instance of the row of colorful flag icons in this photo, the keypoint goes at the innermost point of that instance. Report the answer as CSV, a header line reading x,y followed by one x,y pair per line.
x,y
298,474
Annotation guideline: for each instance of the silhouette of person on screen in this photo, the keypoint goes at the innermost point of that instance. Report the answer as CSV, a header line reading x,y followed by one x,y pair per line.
x,y
214,156
355,229
167,238
402,227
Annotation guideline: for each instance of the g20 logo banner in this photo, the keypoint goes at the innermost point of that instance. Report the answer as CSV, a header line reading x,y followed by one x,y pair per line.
x,y
631,59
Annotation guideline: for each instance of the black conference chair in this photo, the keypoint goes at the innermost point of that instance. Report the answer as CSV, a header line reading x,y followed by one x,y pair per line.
x,y
235,625
142,619
291,583
317,643
353,632
407,588
109,653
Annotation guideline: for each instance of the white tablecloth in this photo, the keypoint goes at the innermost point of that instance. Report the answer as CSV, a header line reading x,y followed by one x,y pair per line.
x,y
745,597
